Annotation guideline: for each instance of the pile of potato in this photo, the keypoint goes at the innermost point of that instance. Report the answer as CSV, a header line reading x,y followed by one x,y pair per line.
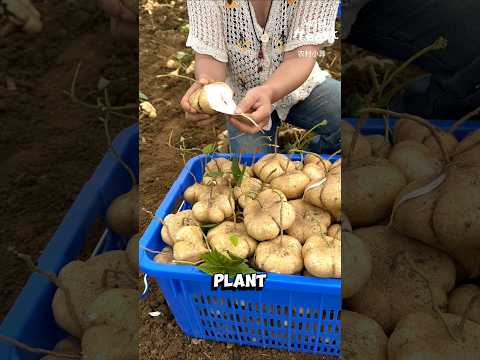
x,y
97,306
282,216
413,250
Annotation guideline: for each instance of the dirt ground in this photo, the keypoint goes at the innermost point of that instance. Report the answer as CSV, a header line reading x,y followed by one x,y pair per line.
x,y
49,147
160,38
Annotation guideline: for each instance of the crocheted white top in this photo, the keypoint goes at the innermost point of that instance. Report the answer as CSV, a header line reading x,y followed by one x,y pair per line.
x,y
228,30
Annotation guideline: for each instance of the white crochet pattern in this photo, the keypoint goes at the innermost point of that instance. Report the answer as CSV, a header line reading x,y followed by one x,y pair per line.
x,y
224,29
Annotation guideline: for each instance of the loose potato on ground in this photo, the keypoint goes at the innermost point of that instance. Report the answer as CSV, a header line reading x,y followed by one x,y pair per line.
x,y
309,220
85,281
281,255
415,160
272,166
394,289
229,237
267,215
362,338
425,336
212,204
326,193
356,264
373,185
122,214
322,256
461,298
69,345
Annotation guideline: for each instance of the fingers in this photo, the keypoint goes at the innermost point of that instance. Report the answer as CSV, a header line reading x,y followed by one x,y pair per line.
x,y
185,102
246,104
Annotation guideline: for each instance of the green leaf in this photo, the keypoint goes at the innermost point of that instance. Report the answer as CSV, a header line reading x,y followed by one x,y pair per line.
x,y
142,96
214,174
217,263
234,239
179,55
185,28
237,171
210,148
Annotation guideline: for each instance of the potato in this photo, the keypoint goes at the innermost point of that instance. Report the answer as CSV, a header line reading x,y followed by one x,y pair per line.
x,y
373,185
362,338
173,223
109,343
229,237
267,215
211,204
221,167
249,188
122,214
466,151
326,193
281,255
69,345
213,96
394,289
272,166
380,147
406,129
460,299
116,308
165,256
309,220
356,264
322,256
292,183
415,160
424,336
24,14
335,230
85,281
112,314
362,149
316,168
447,217
132,252
189,244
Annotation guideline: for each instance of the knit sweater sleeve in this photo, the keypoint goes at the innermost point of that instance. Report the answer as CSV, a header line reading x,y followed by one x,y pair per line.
x,y
313,23
206,28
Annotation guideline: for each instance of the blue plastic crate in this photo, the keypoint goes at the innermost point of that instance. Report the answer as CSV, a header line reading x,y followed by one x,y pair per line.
x,y
377,126
292,313
30,320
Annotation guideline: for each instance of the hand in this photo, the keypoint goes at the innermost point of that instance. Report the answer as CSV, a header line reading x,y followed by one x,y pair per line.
x,y
201,119
123,21
257,104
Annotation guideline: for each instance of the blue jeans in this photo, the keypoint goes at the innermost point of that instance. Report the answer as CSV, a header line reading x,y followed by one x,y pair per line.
x,y
324,103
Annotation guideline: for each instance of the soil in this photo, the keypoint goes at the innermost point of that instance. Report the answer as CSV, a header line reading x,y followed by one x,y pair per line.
x,y
49,146
161,38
